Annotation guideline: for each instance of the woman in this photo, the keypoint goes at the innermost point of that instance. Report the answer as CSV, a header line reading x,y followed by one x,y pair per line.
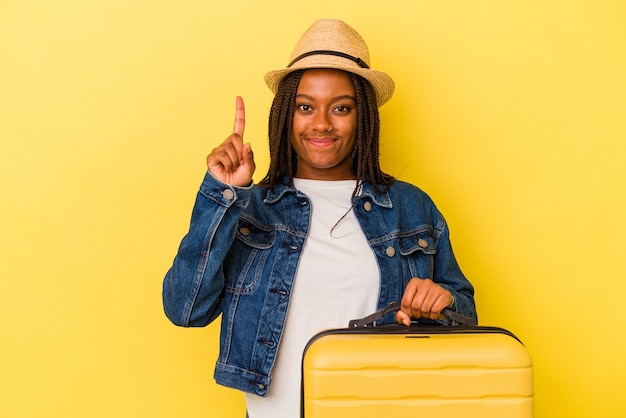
x,y
325,237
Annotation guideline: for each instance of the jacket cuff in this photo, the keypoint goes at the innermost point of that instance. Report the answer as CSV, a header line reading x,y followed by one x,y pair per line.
x,y
223,193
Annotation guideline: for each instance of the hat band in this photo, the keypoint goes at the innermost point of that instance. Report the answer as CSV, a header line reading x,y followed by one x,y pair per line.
x,y
359,61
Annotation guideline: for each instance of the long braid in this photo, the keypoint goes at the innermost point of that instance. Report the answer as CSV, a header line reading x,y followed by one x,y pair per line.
x,y
280,128
365,156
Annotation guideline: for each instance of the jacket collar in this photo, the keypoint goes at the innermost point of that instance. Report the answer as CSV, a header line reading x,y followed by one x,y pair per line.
x,y
367,190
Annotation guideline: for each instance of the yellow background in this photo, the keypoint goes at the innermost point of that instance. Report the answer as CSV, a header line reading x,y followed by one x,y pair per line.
x,y
510,114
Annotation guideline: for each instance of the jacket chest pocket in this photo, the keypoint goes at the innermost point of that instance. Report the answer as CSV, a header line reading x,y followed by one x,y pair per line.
x,y
419,242
248,257
419,250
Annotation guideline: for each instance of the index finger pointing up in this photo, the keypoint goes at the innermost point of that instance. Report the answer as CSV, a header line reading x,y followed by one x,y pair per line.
x,y
240,117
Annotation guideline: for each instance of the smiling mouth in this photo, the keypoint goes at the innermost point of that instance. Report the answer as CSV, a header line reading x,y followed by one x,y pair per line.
x,y
321,142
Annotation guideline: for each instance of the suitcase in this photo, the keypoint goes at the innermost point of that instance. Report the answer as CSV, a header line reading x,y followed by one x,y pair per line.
x,y
425,371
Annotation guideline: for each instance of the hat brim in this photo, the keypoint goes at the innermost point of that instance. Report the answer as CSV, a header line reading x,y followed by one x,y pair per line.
x,y
383,84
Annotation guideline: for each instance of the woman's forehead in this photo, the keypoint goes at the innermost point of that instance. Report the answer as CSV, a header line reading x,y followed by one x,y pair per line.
x,y
326,82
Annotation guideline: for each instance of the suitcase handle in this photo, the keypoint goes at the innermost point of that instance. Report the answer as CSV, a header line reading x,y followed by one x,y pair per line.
x,y
368,321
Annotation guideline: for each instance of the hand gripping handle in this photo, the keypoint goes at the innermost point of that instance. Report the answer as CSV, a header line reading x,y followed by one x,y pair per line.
x,y
368,321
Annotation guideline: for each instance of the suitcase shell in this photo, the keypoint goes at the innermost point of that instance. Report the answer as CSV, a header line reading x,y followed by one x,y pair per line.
x,y
425,371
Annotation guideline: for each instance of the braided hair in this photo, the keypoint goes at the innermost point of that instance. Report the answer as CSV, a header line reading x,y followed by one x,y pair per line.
x,y
283,160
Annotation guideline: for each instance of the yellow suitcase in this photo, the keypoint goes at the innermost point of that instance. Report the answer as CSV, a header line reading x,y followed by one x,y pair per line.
x,y
422,370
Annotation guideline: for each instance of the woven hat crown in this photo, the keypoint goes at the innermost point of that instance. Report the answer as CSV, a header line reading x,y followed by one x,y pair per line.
x,y
331,43
332,35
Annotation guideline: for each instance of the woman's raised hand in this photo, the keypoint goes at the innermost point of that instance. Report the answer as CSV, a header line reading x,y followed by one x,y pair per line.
x,y
233,161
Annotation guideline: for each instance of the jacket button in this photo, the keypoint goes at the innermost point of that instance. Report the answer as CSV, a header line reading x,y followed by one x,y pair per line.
x,y
244,230
228,194
422,243
390,251
367,206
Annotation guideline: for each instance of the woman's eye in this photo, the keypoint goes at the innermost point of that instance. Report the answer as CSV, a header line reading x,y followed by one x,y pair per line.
x,y
304,107
342,109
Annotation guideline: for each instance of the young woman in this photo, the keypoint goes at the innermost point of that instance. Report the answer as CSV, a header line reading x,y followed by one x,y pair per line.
x,y
325,237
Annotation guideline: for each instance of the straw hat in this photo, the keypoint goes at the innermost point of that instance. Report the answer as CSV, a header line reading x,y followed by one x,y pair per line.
x,y
331,43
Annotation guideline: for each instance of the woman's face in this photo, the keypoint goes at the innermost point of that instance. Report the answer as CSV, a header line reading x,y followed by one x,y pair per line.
x,y
324,125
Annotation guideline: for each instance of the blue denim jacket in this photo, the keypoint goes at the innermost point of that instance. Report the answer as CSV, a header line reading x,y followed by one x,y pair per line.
x,y
240,256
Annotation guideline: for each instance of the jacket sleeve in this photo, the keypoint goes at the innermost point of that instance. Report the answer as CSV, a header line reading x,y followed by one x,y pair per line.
x,y
193,286
448,274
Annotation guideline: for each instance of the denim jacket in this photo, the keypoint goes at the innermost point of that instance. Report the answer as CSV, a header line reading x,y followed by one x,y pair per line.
x,y
241,253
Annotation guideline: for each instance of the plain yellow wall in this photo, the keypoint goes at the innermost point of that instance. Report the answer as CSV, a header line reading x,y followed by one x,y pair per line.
x,y
510,114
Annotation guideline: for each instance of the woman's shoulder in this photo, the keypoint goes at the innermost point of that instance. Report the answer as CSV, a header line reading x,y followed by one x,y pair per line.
x,y
400,188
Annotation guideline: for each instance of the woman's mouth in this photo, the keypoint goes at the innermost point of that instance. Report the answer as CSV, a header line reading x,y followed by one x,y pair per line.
x,y
321,142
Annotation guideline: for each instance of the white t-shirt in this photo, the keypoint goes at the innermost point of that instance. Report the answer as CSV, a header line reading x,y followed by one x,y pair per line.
x,y
337,280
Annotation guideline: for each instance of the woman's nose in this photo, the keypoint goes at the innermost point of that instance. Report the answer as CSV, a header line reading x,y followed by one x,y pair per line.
x,y
322,123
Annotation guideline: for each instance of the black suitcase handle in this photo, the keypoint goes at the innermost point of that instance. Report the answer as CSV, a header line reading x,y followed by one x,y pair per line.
x,y
368,321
